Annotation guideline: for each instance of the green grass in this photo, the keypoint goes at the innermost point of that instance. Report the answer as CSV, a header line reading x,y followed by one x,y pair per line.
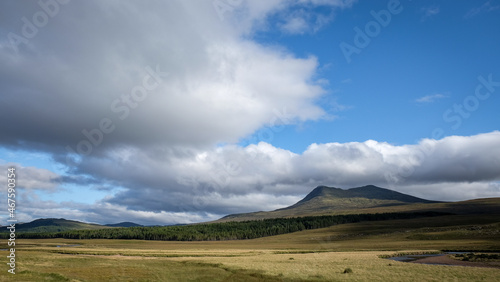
x,y
43,266
311,255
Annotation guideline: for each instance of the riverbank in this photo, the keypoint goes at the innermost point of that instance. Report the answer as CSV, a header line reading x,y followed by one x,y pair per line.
x,y
446,260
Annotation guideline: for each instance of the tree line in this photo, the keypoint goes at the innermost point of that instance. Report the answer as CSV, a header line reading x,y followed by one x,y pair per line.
x,y
223,231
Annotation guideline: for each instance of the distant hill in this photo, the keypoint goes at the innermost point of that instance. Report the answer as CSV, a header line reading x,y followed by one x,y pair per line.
x,y
54,225
124,224
61,224
327,200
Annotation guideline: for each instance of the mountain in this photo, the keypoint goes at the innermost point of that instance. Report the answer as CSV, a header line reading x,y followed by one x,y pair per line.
x,y
323,197
54,225
328,200
124,224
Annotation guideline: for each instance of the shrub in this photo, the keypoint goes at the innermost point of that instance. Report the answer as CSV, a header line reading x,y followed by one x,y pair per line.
x,y
347,270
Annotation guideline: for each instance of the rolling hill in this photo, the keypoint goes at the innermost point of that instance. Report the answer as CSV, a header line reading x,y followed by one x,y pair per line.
x,y
124,224
322,200
367,199
55,225
60,224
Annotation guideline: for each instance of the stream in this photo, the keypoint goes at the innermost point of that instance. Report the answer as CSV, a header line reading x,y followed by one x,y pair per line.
x,y
411,258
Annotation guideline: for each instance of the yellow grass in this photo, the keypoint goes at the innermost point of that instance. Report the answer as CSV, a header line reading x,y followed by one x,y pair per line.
x,y
312,255
366,266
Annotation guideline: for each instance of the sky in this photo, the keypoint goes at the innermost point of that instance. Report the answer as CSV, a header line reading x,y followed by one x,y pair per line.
x,y
166,112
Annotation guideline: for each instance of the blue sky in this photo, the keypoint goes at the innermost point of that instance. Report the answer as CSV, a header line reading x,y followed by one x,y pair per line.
x,y
413,57
198,110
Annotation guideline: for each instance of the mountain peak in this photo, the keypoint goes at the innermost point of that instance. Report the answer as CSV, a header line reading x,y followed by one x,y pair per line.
x,y
327,200
365,196
317,192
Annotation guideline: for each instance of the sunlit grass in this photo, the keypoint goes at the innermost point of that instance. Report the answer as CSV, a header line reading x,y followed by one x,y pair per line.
x,y
311,255
365,266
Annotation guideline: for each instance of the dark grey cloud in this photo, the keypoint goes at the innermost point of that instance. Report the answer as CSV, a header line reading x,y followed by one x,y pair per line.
x,y
211,180
142,92
141,74
188,185
119,93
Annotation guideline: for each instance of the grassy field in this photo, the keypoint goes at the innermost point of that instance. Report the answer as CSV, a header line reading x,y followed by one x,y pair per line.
x,y
312,255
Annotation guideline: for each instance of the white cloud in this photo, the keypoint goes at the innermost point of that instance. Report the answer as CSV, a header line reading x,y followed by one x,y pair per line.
x,y
308,20
219,86
304,22
219,180
453,191
295,25
333,3
178,185
429,12
31,178
431,98
213,74
485,8
32,207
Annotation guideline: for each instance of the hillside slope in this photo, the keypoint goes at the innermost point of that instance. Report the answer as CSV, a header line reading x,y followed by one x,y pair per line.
x,y
323,197
54,225
329,200
124,224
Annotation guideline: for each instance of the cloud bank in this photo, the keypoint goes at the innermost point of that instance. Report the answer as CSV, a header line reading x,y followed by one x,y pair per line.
x,y
191,184
152,98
